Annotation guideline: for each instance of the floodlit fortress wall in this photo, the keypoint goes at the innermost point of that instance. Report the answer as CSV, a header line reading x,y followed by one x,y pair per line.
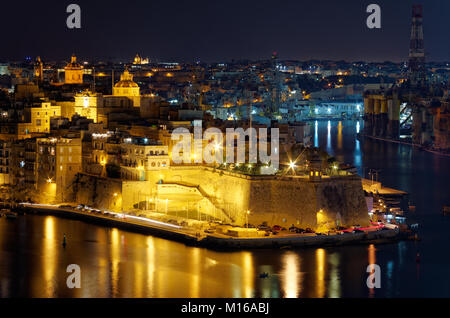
x,y
228,196
283,201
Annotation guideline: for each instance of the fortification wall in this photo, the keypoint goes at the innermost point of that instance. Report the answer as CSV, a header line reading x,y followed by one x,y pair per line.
x,y
275,200
283,201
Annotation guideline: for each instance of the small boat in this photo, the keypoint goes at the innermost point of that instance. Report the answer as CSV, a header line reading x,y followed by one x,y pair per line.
x,y
9,214
264,275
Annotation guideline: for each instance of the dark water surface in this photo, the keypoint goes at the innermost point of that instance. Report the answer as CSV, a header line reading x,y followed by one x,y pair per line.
x,y
117,263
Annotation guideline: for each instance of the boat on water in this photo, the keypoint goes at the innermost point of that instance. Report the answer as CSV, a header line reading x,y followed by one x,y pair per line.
x,y
8,214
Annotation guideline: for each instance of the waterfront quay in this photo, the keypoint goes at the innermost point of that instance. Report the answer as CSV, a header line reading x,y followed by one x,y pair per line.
x,y
215,240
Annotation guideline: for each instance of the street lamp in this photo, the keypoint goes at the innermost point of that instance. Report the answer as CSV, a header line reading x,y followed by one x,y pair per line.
x,y
246,217
292,165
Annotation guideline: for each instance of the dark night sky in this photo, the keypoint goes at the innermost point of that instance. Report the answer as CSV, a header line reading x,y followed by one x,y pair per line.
x,y
213,30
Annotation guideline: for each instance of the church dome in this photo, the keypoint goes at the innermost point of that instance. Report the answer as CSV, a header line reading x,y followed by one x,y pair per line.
x,y
73,63
126,80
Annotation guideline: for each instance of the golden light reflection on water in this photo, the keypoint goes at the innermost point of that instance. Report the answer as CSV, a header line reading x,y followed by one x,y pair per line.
x,y
248,275
150,265
372,260
139,281
339,135
320,272
290,275
102,277
115,260
49,256
334,287
194,277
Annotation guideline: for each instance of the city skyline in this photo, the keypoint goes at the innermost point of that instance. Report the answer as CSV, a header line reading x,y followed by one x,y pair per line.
x,y
135,140
215,32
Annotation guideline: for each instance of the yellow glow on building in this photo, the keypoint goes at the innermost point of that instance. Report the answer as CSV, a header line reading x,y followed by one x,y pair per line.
x,y
73,72
39,119
126,86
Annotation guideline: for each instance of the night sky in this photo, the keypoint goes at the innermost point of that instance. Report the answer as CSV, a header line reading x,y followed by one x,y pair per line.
x,y
213,30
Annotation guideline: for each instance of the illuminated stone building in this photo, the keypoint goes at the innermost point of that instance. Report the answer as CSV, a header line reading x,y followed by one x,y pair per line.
x,y
105,152
87,104
23,167
29,122
37,119
39,70
126,86
27,91
5,152
140,156
138,60
73,72
58,161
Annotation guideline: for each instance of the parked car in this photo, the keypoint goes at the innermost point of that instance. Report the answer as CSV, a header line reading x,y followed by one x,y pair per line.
x,y
263,227
276,228
209,231
174,222
66,206
308,230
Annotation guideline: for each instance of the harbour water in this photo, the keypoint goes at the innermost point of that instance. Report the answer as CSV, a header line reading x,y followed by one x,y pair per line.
x,y
117,263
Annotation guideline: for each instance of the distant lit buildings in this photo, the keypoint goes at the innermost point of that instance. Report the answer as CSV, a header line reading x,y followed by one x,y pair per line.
x,y
73,72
